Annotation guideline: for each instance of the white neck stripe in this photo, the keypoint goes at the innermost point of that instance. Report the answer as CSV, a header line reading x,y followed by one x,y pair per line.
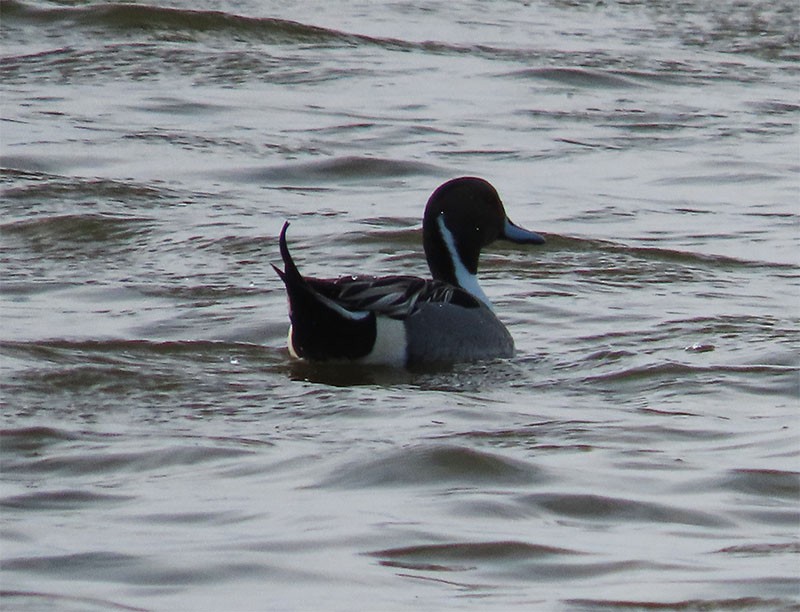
x,y
464,277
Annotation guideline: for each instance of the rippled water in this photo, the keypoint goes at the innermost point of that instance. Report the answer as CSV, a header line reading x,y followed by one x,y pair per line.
x,y
160,451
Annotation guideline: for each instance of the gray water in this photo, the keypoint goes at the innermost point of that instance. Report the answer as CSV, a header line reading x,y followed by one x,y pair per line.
x,y
161,451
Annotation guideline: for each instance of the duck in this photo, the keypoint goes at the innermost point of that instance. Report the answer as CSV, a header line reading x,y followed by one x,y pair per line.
x,y
403,320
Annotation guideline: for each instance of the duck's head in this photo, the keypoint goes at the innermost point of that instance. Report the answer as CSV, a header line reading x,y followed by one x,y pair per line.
x,y
462,216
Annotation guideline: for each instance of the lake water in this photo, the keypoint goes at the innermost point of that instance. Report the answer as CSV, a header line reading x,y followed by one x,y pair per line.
x,y
161,451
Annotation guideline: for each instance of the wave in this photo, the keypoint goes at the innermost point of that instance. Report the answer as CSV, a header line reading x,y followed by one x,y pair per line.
x,y
40,599
61,500
687,605
33,439
146,18
93,227
762,483
178,24
173,22
580,77
113,462
68,351
461,556
336,169
601,508
37,185
50,450
514,560
658,254
673,377
428,465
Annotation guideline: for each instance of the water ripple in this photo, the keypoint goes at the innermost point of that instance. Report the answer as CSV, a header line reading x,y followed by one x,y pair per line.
x,y
431,465
640,450
339,169
105,462
577,77
463,556
608,509
688,605
65,500
87,228
32,600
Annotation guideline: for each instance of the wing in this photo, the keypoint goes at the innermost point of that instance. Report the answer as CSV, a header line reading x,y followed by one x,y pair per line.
x,y
392,296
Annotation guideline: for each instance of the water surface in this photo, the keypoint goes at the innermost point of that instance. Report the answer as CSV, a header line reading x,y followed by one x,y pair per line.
x,y
161,451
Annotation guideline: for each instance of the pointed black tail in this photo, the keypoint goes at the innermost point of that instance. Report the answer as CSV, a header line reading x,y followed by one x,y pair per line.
x,y
321,328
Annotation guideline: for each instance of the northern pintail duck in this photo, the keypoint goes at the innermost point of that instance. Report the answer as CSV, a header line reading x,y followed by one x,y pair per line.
x,y
405,320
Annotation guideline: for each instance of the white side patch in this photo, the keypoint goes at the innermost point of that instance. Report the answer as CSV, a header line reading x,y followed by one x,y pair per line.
x,y
465,279
290,344
390,343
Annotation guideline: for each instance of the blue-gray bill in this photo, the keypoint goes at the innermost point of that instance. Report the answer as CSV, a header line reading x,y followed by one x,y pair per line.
x,y
520,235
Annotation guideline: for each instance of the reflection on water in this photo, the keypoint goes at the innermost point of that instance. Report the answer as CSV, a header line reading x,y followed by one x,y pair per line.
x,y
160,450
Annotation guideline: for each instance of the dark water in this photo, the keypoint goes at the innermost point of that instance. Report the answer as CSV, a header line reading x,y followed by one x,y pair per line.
x,y
160,451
